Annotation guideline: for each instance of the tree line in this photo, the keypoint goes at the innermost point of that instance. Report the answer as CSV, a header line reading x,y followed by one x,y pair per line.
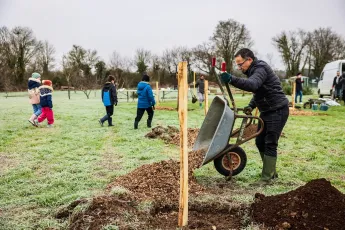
x,y
21,53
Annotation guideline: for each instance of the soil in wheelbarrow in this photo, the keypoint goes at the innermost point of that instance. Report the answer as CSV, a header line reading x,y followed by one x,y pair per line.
x,y
171,135
248,131
316,205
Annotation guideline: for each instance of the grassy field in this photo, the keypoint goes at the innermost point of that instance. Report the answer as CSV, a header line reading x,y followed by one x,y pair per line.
x,y
42,169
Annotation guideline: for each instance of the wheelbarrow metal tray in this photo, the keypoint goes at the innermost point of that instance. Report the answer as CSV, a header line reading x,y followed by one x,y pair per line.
x,y
215,130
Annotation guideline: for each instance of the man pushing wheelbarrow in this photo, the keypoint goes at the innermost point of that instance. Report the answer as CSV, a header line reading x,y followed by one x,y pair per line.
x,y
268,97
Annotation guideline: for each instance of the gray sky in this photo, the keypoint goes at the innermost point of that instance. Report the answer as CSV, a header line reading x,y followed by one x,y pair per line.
x,y
125,26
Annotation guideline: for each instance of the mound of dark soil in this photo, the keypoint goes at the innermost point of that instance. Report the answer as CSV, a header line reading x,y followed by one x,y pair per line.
x,y
316,205
171,135
160,181
124,213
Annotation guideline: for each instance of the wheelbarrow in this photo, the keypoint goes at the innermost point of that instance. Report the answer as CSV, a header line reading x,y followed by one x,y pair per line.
x,y
216,133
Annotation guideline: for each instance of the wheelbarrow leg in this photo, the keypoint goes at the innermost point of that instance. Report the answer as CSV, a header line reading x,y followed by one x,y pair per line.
x,y
228,178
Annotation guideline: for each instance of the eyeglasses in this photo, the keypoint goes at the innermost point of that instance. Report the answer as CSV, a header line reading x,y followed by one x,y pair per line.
x,y
241,64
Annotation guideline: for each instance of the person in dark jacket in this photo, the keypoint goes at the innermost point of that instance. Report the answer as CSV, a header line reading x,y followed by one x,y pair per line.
x,y
271,102
201,90
109,99
337,86
146,101
34,83
343,85
46,102
299,89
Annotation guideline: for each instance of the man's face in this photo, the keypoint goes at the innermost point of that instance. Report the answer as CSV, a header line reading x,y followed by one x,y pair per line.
x,y
201,77
243,63
338,73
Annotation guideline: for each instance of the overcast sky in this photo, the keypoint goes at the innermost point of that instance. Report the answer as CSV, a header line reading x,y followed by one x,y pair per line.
x,y
155,25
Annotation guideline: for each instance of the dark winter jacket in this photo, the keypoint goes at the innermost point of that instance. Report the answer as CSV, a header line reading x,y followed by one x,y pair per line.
x,y
337,85
266,86
342,82
46,96
201,85
33,83
145,95
108,86
299,84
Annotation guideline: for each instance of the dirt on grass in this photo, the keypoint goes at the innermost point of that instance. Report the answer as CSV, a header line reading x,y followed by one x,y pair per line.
x,y
152,201
165,108
122,212
160,181
316,205
170,108
171,135
6,163
299,112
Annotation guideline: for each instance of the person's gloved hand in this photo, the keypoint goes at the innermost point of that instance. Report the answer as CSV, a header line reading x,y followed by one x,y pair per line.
x,y
115,104
247,110
226,77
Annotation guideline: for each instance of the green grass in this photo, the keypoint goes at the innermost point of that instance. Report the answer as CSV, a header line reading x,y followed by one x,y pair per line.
x,y
42,170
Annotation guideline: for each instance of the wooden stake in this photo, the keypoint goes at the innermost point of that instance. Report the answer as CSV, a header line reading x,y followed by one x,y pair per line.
x,y
194,91
157,93
182,112
206,96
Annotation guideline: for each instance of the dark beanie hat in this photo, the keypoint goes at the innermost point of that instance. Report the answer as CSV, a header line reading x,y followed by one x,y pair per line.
x,y
146,78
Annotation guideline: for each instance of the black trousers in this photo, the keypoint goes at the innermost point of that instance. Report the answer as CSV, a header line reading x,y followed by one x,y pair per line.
x,y
274,122
140,113
110,110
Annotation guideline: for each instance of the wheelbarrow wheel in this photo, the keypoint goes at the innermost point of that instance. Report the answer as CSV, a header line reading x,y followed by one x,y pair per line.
x,y
238,158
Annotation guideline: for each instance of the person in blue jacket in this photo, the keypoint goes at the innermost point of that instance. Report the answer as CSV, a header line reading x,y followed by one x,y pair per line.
x,y
109,99
146,101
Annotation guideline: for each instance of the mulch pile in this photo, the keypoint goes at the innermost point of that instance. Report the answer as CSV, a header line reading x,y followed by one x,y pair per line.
x,y
171,135
160,181
170,108
298,112
122,212
165,108
157,184
316,205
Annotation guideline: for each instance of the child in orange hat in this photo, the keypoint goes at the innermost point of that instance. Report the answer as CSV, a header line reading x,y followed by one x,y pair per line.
x,y
46,103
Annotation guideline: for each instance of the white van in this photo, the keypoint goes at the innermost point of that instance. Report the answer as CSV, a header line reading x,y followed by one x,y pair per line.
x,y
324,87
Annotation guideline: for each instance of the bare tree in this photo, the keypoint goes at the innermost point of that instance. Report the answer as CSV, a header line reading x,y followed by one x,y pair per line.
x,y
167,60
326,46
45,57
68,71
142,58
292,47
115,61
203,57
228,37
19,47
156,66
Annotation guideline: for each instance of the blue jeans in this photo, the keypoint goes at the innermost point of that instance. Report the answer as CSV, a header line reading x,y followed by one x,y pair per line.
x,y
37,109
337,93
300,94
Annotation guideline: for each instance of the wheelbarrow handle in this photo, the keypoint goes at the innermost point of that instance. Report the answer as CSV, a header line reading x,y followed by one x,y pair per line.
x,y
223,92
